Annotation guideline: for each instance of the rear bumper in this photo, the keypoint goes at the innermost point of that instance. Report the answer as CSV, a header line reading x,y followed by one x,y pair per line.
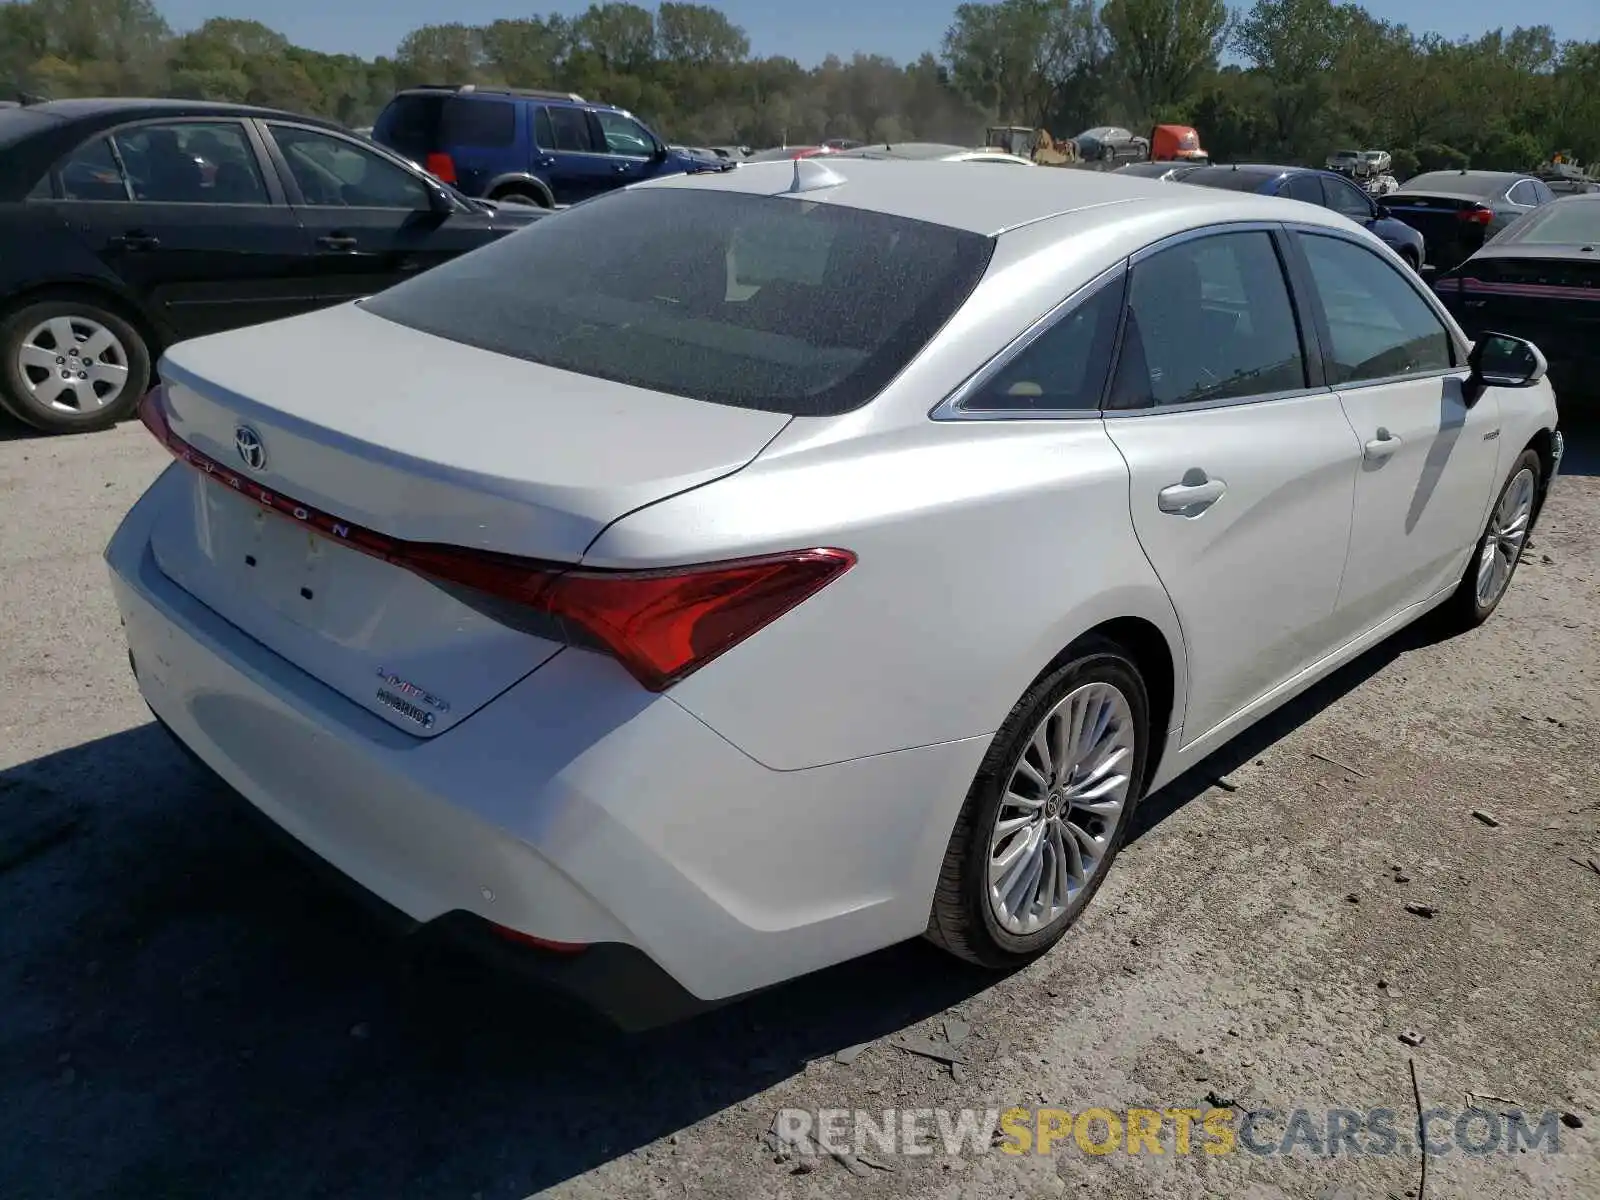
x,y
575,808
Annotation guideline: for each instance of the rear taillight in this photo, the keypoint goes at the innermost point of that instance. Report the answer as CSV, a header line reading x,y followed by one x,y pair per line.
x,y
660,624
154,417
441,165
538,943
1477,215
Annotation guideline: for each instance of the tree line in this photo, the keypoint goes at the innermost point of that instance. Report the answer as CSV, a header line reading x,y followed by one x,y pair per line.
x,y
1287,80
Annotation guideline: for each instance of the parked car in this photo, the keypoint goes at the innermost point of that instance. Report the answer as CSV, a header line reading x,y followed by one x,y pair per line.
x,y
528,146
1328,189
1163,169
131,224
1540,279
936,152
678,714
786,153
1458,211
1111,144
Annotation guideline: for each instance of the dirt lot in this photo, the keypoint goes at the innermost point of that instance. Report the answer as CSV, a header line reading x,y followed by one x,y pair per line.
x,y
186,1011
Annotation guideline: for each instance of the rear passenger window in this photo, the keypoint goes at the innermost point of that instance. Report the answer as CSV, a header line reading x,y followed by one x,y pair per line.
x,y
1380,327
1209,319
483,123
572,132
1523,193
1064,368
91,173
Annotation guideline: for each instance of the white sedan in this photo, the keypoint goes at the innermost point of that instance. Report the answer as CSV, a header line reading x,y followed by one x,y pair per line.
x,y
745,572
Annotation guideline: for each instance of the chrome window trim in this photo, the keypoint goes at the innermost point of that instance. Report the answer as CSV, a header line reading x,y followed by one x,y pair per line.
x,y
1159,410
1190,235
1458,339
951,408
1390,380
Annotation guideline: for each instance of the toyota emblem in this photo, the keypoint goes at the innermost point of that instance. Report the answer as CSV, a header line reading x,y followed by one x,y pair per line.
x,y
248,443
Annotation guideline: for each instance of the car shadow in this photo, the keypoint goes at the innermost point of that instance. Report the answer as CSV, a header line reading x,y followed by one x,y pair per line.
x,y
188,1010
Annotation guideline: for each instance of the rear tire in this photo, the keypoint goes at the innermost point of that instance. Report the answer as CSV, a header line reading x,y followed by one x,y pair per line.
x,y
1412,260
70,365
521,196
1047,813
1498,551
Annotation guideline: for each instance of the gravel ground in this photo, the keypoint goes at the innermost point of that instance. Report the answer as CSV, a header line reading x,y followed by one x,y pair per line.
x,y
186,1011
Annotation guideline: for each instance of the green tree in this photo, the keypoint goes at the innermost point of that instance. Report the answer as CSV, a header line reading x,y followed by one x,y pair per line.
x,y
1162,48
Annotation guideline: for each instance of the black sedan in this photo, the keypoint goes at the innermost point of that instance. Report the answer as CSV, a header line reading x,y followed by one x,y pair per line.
x,y
1540,280
1111,145
1458,211
131,224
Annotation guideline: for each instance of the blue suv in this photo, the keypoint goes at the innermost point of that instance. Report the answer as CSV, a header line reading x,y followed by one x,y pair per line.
x,y
1314,186
515,145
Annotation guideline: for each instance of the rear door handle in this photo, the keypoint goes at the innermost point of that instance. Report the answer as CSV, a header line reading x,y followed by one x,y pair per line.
x,y
1380,447
337,241
1191,497
135,239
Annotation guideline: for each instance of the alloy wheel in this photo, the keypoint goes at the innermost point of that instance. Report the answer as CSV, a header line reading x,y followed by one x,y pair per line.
x,y
1059,815
73,364
1505,538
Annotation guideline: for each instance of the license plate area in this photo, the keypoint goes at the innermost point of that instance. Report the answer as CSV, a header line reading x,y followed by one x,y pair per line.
x,y
282,565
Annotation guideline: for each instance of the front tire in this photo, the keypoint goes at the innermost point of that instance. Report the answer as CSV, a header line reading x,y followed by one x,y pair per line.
x,y
1047,813
70,365
1494,560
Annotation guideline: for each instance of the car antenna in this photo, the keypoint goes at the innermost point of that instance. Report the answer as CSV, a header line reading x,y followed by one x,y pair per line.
x,y
810,175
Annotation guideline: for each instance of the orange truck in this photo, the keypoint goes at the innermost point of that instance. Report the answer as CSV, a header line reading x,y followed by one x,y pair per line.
x,y
1177,143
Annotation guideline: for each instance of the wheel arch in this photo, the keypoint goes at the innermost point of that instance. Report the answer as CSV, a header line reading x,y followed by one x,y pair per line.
x,y
99,292
1543,443
1157,654
519,181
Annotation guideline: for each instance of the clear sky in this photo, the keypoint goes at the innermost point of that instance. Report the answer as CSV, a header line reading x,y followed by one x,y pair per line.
x,y
806,30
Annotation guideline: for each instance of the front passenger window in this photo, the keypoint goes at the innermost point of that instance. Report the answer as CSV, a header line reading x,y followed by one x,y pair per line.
x,y
1209,319
332,172
1347,200
1380,327
1064,368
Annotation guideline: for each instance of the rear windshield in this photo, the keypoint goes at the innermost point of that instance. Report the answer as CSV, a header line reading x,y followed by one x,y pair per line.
x,y
759,302
418,124
1458,184
17,123
1562,224
1226,177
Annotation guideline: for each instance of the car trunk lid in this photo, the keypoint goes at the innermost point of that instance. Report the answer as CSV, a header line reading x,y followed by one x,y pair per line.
x,y
1440,218
1548,295
344,423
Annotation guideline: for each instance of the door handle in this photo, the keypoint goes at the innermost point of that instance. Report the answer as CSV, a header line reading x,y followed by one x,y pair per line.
x,y
1380,447
547,161
1193,496
621,169
134,239
337,241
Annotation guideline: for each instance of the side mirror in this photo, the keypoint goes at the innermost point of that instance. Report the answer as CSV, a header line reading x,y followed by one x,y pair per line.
x,y
661,151
1500,360
440,202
